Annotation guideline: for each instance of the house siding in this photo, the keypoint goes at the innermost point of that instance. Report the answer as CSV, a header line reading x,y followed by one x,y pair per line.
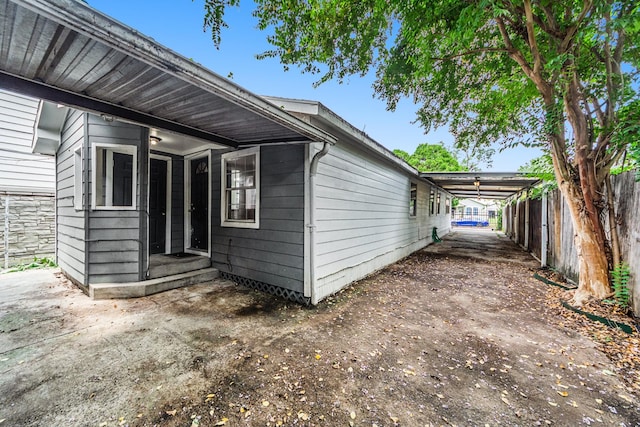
x,y
70,236
21,171
274,253
117,238
362,217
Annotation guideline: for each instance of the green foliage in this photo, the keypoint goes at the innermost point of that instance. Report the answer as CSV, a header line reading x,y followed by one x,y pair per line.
x,y
620,277
37,263
431,158
542,168
214,17
474,66
473,155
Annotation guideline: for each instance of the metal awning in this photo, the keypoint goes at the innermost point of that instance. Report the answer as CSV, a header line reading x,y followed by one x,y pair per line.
x,y
66,52
486,185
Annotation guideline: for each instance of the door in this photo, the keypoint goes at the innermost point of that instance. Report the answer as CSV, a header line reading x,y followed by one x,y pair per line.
x,y
157,205
199,204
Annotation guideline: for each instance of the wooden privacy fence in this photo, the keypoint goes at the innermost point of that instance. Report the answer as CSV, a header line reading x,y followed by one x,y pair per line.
x,y
543,227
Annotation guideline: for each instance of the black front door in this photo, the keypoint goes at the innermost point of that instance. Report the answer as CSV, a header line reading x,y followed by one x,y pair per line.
x,y
199,208
157,205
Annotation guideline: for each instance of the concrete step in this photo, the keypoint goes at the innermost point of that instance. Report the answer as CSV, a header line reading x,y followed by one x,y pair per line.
x,y
165,265
152,286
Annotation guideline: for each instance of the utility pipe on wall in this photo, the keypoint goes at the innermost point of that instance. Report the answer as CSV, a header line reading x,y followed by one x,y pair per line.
x,y
313,169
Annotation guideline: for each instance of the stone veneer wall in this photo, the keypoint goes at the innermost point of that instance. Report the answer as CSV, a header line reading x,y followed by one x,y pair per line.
x,y
29,229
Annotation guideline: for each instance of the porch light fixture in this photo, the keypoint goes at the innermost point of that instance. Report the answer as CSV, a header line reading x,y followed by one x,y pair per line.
x,y
154,140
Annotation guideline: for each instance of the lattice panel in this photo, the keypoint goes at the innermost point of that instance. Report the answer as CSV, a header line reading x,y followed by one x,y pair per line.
x,y
265,287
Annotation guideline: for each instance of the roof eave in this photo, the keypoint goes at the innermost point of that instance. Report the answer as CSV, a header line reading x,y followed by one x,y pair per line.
x,y
80,17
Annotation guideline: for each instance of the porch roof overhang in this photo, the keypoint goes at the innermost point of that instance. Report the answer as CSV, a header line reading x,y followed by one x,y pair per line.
x,y
65,52
485,185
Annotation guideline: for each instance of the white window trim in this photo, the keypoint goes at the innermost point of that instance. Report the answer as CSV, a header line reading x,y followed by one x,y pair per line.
x,y
224,222
414,214
77,179
123,149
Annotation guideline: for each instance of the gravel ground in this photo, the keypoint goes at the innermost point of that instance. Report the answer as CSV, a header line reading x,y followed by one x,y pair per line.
x,y
435,339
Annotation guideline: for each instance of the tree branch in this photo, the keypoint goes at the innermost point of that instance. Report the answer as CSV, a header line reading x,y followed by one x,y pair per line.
x,y
533,43
571,31
470,52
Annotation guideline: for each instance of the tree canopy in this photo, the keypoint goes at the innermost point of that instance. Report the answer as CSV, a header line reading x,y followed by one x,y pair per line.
x,y
431,158
562,74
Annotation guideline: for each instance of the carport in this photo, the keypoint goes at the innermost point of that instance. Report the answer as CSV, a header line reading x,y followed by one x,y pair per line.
x,y
483,185
490,186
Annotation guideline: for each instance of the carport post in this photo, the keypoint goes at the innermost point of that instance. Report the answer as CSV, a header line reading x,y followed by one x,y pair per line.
x,y
516,219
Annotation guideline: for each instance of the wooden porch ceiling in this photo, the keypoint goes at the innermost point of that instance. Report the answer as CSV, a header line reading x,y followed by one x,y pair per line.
x,y
66,52
486,185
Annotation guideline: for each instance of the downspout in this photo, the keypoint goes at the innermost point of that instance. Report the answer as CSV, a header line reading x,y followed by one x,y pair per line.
x,y
313,169
544,239
6,231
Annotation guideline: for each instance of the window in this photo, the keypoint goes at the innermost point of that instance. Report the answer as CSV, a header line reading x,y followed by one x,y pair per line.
x,y
438,204
77,178
240,204
114,176
475,211
432,202
413,199
447,205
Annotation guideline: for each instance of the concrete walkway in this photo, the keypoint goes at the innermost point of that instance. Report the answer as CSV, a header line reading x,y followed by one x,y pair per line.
x,y
482,243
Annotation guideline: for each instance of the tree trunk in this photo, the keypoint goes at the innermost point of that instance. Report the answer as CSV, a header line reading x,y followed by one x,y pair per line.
x,y
592,260
613,223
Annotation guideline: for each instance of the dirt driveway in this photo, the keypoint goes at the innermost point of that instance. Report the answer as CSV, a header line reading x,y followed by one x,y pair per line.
x,y
435,339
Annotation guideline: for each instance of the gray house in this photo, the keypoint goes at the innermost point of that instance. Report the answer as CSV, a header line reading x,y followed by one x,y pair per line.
x,y
27,227
168,174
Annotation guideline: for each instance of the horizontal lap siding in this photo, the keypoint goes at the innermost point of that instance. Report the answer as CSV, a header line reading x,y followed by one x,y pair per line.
x,y
115,237
272,254
362,217
22,171
70,222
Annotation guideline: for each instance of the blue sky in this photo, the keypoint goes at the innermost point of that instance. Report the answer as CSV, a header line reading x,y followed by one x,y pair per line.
x,y
177,24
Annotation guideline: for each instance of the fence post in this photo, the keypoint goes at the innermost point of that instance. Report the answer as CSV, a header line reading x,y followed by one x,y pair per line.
x,y
544,236
526,221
